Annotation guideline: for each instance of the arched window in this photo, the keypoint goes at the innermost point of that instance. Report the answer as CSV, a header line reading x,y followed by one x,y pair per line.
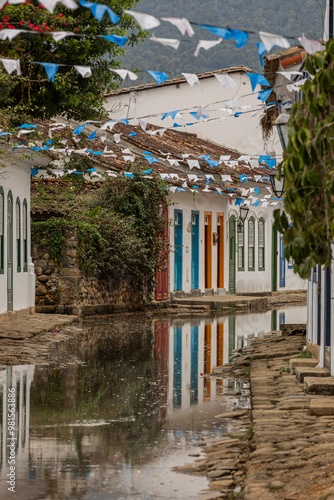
x,y
241,248
25,234
251,244
2,229
261,245
18,234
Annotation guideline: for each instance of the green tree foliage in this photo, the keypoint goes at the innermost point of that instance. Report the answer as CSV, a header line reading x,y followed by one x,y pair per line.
x,y
290,18
32,93
309,170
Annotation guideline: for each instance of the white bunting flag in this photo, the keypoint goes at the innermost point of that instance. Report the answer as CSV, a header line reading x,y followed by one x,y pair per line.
x,y
50,5
11,65
174,176
206,45
169,42
226,81
270,40
185,185
226,178
117,138
60,35
289,74
123,73
192,177
108,125
244,158
9,34
145,21
203,110
85,71
311,46
173,162
143,121
296,85
191,78
224,158
129,158
182,24
254,163
193,164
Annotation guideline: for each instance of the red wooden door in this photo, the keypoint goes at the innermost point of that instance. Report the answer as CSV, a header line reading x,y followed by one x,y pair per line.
x,y
161,289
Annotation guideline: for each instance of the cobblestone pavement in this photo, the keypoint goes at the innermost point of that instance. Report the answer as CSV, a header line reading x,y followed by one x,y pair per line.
x,y
279,451
27,340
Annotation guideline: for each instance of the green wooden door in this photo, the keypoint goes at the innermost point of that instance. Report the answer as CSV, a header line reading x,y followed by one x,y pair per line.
x,y
10,252
231,233
274,253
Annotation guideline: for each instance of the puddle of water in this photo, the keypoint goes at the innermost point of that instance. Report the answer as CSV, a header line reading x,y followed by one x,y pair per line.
x,y
121,405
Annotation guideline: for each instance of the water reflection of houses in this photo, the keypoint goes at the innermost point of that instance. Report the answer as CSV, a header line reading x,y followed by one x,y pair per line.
x,y
188,349
20,378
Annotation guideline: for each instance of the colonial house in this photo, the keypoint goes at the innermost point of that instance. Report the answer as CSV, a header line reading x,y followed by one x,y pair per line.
x,y
320,286
17,278
231,120
212,250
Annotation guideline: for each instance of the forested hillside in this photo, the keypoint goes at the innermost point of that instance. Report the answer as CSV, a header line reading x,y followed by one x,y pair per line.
x,y
286,17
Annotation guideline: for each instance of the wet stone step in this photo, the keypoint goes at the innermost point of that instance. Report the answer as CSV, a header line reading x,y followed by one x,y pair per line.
x,y
302,362
307,371
322,407
319,385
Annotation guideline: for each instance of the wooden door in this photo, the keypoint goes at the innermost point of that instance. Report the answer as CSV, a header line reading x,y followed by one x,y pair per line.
x,y
161,289
194,250
232,262
220,250
207,249
178,249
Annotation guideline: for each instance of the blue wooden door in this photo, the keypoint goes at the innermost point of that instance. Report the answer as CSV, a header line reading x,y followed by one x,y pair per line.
x,y
194,365
178,249
177,368
194,249
281,263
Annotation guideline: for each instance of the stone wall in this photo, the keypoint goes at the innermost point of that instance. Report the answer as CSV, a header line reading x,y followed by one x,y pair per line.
x,y
66,290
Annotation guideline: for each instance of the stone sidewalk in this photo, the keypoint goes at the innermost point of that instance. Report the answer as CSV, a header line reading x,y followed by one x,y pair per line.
x,y
290,453
27,339
236,303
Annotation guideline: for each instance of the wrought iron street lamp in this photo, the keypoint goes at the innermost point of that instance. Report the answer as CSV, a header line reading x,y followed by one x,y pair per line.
x,y
242,217
277,185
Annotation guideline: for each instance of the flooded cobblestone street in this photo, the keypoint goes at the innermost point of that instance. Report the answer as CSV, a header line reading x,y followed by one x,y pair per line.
x,y
123,403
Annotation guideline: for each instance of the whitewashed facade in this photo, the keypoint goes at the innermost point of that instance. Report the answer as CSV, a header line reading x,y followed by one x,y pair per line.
x,y
207,252
17,278
242,134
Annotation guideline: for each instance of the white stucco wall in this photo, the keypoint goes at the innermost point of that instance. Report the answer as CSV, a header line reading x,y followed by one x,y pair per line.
x,y
247,281
17,180
187,203
243,134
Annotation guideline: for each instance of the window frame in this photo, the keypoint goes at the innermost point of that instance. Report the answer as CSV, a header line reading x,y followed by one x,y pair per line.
x,y
263,267
2,236
18,239
251,220
242,267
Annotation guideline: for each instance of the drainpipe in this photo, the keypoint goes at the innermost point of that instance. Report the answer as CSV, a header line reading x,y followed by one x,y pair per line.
x,y
331,18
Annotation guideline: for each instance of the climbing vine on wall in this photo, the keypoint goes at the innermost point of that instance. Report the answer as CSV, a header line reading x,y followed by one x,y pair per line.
x,y
118,223
309,169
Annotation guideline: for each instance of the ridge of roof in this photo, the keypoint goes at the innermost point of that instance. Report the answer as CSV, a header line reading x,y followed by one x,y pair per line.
x,y
173,81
